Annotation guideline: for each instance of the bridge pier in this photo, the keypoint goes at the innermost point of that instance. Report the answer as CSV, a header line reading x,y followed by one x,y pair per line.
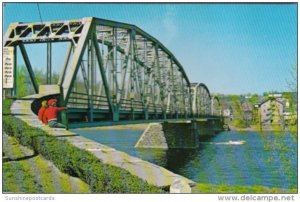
x,y
146,115
132,116
185,134
116,116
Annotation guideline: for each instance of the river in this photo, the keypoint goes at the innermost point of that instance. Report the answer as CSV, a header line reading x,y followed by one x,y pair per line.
x,y
230,158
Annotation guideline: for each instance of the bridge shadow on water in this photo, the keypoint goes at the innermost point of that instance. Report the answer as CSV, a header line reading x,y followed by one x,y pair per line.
x,y
175,159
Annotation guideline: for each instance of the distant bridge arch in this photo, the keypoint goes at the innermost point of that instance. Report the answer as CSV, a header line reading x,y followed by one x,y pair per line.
x,y
201,99
216,109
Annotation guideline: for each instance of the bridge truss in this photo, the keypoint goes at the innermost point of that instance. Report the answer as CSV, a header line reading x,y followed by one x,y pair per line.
x,y
114,71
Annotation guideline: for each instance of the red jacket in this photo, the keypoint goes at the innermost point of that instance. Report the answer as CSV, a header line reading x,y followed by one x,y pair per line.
x,y
51,113
41,113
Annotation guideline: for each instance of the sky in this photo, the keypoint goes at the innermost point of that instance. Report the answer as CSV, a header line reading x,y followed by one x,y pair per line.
x,y
232,48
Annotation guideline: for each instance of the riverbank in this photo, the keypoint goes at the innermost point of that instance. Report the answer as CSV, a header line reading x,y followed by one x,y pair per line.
x,y
293,129
227,189
26,172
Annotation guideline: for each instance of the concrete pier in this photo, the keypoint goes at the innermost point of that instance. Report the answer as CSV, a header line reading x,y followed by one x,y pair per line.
x,y
169,135
178,134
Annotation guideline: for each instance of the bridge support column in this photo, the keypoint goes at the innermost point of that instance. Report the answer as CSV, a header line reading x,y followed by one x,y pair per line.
x,y
91,80
195,132
208,128
164,115
57,90
146,115
132,117
170,135
115,116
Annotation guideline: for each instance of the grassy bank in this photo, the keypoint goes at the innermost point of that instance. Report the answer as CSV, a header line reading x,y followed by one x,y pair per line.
x,y
227,189
26,172
100,177
293,129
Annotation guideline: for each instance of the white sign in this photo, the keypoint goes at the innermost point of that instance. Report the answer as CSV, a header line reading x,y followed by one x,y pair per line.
x,y
8,67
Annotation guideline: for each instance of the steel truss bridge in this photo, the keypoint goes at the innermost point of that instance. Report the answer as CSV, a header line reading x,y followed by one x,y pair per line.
x,y
114,71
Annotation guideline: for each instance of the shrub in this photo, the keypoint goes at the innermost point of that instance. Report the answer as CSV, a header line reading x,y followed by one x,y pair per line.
x,y
102,178
6,106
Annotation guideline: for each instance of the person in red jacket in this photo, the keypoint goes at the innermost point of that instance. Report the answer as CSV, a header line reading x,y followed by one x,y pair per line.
x,y
42,110
50,115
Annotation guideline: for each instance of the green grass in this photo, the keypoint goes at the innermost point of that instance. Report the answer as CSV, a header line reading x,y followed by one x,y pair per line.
x,y
22,169
227,189
35,174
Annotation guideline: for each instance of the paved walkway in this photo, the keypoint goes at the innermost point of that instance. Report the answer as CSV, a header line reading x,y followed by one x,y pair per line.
x,y
149,172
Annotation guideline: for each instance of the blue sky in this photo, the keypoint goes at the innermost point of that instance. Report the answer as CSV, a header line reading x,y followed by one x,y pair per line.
x,y
232,48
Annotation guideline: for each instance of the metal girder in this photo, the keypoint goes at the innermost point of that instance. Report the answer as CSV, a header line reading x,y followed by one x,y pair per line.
x,y
49,62
44,32
139,31
102,72
29,68
73,66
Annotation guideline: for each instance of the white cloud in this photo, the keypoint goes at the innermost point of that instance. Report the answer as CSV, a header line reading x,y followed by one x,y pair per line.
x,y
169,24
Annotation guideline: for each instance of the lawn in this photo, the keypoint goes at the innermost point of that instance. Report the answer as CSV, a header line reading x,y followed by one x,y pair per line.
x,y
25,172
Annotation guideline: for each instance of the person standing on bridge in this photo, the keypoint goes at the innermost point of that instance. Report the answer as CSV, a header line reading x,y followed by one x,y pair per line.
x,y
42,111
50,115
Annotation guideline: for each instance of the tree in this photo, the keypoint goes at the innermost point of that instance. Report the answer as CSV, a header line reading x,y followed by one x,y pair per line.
x,y
24,85
292,83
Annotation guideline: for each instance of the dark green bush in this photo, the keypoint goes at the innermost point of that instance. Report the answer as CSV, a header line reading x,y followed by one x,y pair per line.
x,y
6,106
102,178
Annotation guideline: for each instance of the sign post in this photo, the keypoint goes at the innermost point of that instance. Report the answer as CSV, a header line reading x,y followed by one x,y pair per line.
x,y
8,67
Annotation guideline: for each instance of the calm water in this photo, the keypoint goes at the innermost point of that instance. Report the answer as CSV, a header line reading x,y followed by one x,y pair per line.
x,y
232,158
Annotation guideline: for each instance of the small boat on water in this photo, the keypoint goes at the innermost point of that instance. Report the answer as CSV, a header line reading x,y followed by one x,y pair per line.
x,y
230,142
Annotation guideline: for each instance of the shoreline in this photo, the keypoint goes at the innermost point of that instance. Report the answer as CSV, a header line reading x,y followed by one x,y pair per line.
x,y
205,188
252,129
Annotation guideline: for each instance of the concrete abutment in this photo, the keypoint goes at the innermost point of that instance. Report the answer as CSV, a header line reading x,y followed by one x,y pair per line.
x,y
179,134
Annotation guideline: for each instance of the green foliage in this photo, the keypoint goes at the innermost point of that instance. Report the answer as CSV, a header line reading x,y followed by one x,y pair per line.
x,y
23,81
24,84
254,99
101,178
292,83
6,106
238,114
